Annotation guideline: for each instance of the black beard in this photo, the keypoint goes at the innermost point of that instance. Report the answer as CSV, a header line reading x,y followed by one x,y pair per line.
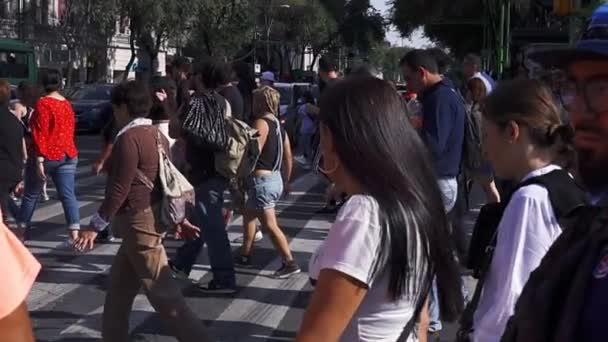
x,y
593,171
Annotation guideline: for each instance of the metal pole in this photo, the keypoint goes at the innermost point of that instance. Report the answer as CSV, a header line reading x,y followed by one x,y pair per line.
x,y
485,36
507,46
269,20
501,40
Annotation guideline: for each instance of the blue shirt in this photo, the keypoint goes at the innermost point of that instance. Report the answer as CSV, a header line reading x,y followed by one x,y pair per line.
x,y
443,116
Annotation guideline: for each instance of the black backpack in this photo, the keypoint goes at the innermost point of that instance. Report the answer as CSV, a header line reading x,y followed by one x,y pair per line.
x,y
566,198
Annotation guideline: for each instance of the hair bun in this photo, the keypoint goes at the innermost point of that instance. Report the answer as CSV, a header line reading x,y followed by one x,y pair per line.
x,y
563,133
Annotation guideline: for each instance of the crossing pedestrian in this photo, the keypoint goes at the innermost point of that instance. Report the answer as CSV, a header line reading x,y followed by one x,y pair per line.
x,y
220,78
268,181
328,75
134,209
164,105
246,85
12,157
373,272
210,187
308,124
443,123
524,139
483,175
565,298
27,97
472,68
180,72
53,153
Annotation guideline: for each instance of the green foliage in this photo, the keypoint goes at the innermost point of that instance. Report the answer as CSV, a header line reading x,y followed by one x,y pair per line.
x,y
360,26
87,23
152,21
386,58
305,23
457,27
221,28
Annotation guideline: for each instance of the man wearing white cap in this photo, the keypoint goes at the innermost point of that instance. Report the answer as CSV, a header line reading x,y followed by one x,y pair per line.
x,y
472,69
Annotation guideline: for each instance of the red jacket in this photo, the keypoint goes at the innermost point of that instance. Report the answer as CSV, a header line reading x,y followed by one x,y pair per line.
x,y
53,125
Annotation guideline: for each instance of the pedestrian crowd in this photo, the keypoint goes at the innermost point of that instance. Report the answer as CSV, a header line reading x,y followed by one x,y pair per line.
x,y
394,265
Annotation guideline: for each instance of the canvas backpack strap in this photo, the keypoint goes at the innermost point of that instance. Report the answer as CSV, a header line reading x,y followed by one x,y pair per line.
x,y
279,162
140,176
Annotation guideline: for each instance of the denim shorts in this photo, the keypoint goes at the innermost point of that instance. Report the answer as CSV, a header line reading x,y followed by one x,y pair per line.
x,y
263,192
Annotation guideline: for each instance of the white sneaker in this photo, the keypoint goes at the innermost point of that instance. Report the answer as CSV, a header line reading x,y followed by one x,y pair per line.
x,y
258,236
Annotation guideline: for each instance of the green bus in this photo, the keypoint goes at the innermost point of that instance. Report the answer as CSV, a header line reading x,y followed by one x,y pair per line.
x,y
17,62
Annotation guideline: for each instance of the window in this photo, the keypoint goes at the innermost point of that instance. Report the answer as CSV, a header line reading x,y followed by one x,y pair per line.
x,y
99,93
13,64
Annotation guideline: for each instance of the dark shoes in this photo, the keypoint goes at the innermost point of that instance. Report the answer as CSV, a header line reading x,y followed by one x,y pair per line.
x,y
213,287
288,269
243,261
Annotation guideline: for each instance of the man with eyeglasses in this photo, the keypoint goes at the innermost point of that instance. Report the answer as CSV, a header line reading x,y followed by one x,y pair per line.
x,y
566,298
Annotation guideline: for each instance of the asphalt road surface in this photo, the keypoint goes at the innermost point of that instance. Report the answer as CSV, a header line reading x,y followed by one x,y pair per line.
x,y
66,302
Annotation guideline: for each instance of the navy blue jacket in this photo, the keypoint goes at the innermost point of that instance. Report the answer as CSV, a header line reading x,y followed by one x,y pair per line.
x,y
443,128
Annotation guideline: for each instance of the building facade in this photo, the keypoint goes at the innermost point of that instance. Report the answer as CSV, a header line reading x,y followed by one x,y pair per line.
x,y
37,23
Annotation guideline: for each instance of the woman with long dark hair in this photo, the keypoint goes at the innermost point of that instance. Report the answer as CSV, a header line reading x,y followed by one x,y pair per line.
x,y
374,271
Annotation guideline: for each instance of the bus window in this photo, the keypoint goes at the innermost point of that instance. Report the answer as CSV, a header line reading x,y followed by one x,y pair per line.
x,y
13,64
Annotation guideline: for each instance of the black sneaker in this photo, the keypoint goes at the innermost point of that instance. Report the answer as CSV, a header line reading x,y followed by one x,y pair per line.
x,y
243,261
177,273
105,236
213,287
287,270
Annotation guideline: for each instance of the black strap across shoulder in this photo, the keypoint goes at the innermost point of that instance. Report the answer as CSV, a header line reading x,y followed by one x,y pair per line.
x,y
566,198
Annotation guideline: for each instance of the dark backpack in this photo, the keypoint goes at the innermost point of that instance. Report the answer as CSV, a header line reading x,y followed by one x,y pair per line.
x,y
566,198
472,154
204,123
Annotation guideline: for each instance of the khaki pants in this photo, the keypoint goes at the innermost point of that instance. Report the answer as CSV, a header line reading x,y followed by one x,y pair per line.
x,y
141,261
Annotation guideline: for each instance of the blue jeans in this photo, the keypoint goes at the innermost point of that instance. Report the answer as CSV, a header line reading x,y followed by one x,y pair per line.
x,y
305,145
263,192
449,194
208,215
63,173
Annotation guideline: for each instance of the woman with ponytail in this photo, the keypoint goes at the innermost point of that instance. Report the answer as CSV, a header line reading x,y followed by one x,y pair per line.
x,y
524,139
373,273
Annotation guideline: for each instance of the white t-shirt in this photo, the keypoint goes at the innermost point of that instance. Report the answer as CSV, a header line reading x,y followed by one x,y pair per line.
x,y
351,248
